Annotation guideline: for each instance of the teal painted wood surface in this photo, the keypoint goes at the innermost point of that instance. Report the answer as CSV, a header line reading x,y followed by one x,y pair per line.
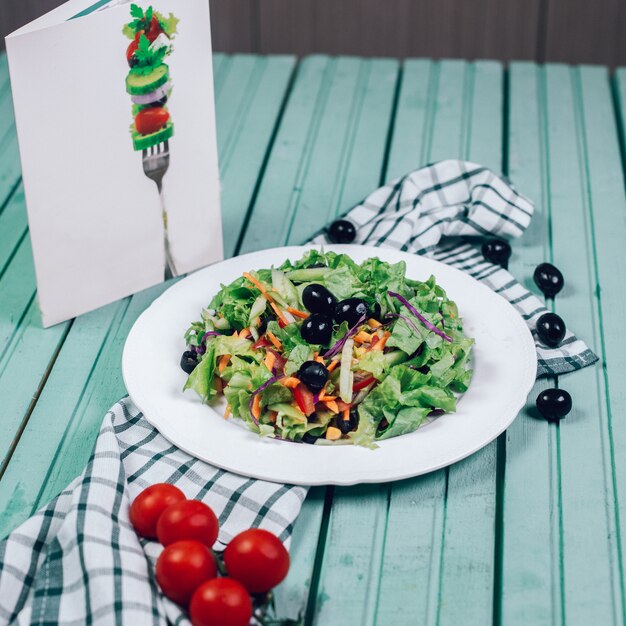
x,y
528,530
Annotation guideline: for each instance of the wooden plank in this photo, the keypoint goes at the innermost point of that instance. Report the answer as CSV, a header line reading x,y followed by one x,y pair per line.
x,y
328,153
247,148
467,576
444,573
12,226
86,379
528,590
548,568
585,501
606,206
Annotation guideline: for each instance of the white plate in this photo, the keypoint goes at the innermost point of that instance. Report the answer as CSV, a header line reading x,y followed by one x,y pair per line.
x,y
504,363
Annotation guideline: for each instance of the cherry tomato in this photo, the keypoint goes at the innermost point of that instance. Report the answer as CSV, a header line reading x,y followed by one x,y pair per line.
x,y
149,120
154,30
182,567
190,519
364,382
220,602
257,559
148,506
304,399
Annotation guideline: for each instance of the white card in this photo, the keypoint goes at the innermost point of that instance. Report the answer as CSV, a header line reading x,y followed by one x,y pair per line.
x,y
99,227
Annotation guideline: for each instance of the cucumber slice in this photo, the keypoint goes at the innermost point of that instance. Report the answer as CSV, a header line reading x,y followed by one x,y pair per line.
x,y
142,142
140,84
309,274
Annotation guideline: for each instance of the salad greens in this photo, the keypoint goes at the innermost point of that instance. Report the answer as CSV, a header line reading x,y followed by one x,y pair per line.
x,y
397,366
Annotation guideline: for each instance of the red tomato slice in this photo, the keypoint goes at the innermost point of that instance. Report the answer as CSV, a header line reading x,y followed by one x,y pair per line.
x,y
132,48
304,399
261,342
155,30
342,406
279,363
151,119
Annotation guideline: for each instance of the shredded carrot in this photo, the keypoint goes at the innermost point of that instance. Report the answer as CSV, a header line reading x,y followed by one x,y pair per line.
x,y
290,382
258,285
332,366
297,313
333,433
272,337
227,412
325,398
363,337
244,333
256,406
280,314
270,359
346,415
319,359
332,405
273,416
375,338
381,344
223,363
372,323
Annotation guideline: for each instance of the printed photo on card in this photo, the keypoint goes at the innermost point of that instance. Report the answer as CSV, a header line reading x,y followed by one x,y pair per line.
x,y
115,118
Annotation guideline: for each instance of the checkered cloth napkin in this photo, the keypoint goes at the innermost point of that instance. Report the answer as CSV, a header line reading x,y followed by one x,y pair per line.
x,y
78,559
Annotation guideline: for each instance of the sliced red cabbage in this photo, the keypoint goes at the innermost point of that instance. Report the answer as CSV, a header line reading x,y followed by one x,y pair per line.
x,y
339,345
420,317
210,333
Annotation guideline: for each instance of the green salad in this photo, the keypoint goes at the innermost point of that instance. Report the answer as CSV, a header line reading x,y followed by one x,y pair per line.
x,y
328,351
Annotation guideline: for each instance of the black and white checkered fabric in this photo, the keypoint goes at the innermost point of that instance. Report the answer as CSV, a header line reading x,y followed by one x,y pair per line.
x,y
443,211
78,560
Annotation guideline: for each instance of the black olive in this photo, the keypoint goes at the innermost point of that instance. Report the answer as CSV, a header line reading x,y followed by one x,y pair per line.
x,y
497,251
375,311
554,404
159,103
351,310
188,361
551,329
346,426
133,60
309,438
549,279
265,318
314,375
317,299
342,231
317,328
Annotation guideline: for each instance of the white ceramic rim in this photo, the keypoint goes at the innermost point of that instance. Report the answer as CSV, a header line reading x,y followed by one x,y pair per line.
x,y
505,371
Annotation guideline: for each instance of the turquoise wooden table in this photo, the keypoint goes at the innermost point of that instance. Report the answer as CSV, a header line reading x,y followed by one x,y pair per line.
x,y
527,531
